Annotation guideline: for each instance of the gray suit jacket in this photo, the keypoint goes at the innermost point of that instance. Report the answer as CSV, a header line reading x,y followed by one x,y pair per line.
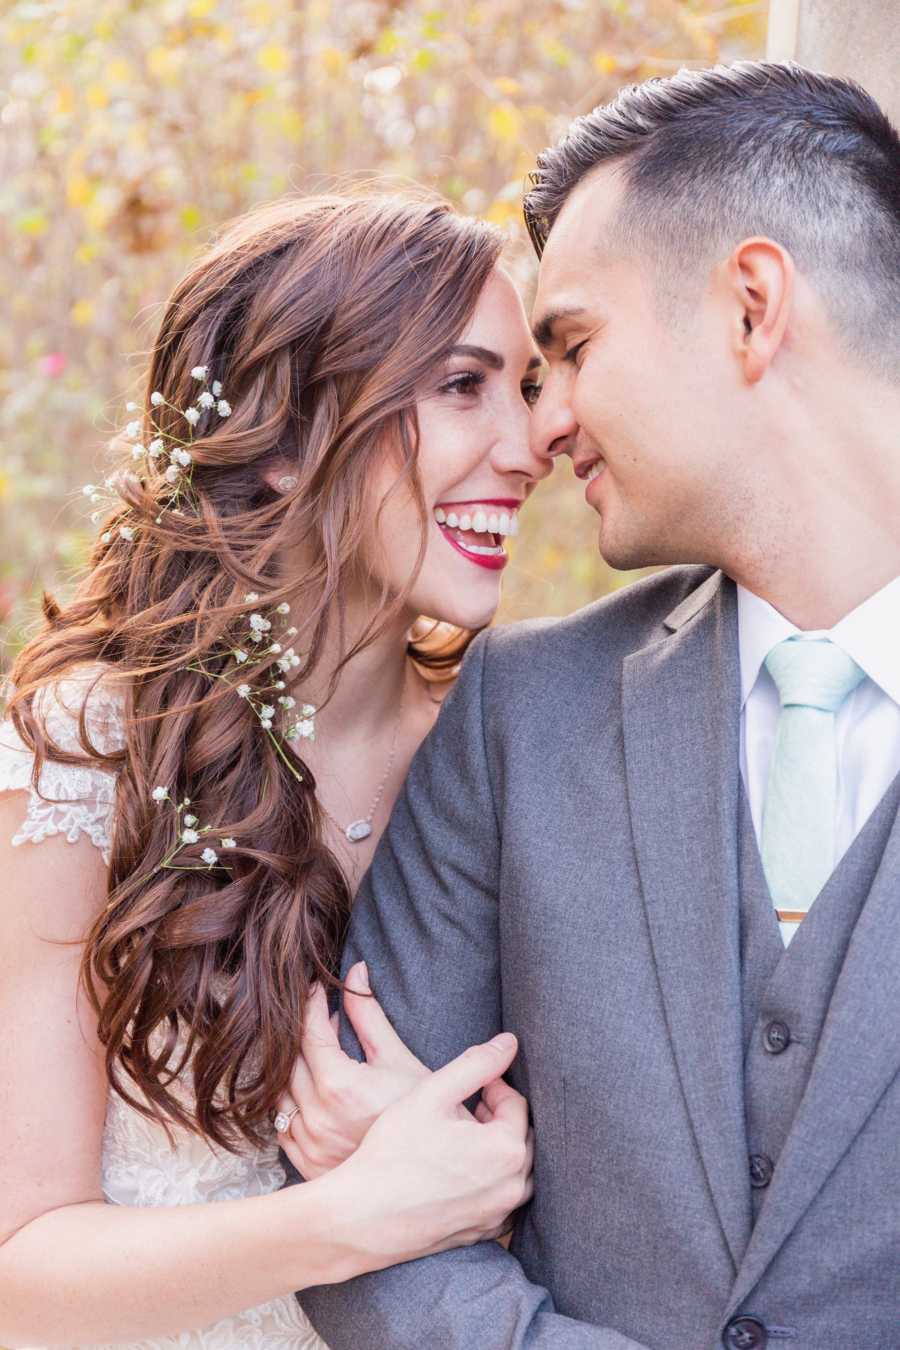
x,y
562,864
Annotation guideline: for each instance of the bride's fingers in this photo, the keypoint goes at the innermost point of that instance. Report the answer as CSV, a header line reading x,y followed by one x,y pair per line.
x,y
374,1032
483,1113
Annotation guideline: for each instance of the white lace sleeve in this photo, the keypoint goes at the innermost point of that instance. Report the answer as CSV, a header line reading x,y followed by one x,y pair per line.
x,y
71,799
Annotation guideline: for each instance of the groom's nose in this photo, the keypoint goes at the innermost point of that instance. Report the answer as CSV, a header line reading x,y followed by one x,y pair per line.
x,y
554,428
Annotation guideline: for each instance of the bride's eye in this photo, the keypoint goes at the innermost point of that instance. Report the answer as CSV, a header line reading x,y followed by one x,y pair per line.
x,y
531,392
466,382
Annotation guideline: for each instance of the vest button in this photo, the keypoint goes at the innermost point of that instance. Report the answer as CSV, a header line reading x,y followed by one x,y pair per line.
x,y
776,1037
761,1169
745,1333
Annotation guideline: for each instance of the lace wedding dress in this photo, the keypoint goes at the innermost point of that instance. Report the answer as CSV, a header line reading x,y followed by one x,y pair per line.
x,y
138,1165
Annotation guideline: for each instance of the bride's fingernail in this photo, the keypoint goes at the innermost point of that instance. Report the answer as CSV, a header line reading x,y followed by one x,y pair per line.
x,y
362,972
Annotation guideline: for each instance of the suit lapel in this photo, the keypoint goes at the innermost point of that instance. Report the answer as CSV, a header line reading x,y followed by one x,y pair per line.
x,y
681,718
858,1056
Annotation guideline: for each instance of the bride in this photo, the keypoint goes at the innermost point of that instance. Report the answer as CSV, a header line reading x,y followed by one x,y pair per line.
x,y
201,751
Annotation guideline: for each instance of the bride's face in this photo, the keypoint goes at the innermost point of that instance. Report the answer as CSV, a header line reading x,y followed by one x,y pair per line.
x,y
476,467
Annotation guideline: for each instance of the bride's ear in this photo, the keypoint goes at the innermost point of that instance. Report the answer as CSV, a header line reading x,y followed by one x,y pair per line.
x,y
280,479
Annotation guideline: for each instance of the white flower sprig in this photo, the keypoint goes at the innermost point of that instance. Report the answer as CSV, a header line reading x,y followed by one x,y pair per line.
x,y
165,452
269,702
188,832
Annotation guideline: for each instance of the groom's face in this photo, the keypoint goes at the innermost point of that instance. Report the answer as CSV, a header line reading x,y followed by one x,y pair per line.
x,y
639,399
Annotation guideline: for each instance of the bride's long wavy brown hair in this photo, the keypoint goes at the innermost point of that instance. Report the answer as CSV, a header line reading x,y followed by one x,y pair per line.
x,y
321,317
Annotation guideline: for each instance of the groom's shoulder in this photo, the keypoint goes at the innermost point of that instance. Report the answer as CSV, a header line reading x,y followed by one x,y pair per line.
x,y
609,629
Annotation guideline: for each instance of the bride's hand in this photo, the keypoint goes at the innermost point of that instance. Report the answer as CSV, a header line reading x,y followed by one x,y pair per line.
x,y
339,1098
429,1175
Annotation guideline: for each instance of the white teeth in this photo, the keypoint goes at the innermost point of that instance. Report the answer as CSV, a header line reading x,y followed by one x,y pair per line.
x,y
489,550
595,472
480,521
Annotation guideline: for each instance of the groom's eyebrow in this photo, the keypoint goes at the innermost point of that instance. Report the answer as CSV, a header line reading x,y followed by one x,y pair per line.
x,y
488,358
544,335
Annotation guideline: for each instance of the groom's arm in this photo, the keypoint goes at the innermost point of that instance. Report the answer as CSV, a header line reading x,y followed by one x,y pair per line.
x,y
426,922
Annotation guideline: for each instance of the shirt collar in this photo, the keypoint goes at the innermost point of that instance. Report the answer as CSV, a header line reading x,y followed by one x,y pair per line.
x,y
870,634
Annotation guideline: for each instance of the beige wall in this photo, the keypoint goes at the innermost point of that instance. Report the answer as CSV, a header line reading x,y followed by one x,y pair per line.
x,y
856,38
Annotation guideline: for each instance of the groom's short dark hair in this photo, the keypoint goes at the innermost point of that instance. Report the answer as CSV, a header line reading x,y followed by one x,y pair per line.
x,y
712,156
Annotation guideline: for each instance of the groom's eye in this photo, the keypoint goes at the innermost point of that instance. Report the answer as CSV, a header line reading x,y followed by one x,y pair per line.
x,y
572,354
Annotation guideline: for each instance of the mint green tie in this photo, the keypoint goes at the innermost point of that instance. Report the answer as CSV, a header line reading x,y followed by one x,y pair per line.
x,y
798,830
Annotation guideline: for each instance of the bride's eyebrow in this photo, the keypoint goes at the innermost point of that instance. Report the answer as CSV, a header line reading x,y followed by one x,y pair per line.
x,y
487,357
483,354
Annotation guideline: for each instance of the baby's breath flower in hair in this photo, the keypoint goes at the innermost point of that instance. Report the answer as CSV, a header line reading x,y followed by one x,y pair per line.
x,y
264,696
157,399
188,832
192,415
200,372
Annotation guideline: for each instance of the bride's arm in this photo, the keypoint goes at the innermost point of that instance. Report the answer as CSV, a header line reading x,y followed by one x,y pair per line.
x,y
75,1269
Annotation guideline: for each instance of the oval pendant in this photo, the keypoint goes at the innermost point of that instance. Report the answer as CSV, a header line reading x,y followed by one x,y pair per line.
x,y
360,829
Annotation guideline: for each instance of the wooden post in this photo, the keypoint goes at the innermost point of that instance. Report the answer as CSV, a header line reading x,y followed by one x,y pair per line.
x,y
859,39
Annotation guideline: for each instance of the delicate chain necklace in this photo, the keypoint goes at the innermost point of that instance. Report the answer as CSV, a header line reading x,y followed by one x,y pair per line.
x,y
358,830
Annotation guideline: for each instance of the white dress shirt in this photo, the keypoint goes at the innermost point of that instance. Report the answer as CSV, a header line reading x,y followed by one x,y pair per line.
x,y
867,725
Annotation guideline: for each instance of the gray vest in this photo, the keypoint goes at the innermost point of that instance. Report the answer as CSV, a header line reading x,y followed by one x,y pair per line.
x,y
787,991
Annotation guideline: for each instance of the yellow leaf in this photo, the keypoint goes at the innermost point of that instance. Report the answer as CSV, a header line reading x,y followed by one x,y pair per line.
x,y
387,43
198,9
423,60
81,313
96,96
5,485
33,223
97,213
164,63
558,53
333,60
261,15
290,122
503,212
65,99
87,252
190,216
604,62
504,85
79,189
273,59
119,71
505,123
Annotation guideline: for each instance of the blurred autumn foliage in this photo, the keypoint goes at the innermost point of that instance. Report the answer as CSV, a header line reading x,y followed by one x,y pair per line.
x,y
132,128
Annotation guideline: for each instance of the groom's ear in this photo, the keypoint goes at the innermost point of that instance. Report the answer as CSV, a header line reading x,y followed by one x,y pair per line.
x,y
760,280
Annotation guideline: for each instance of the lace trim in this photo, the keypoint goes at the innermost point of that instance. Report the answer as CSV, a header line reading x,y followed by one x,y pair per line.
x,y
70,799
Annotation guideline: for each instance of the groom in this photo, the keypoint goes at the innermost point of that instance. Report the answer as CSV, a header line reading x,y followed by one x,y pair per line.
x,y
659,840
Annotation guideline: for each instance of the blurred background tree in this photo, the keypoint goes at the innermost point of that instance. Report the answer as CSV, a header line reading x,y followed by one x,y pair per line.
x,y
130,129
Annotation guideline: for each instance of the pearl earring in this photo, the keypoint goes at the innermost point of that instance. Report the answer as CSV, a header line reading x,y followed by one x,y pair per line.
x,y
287,482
